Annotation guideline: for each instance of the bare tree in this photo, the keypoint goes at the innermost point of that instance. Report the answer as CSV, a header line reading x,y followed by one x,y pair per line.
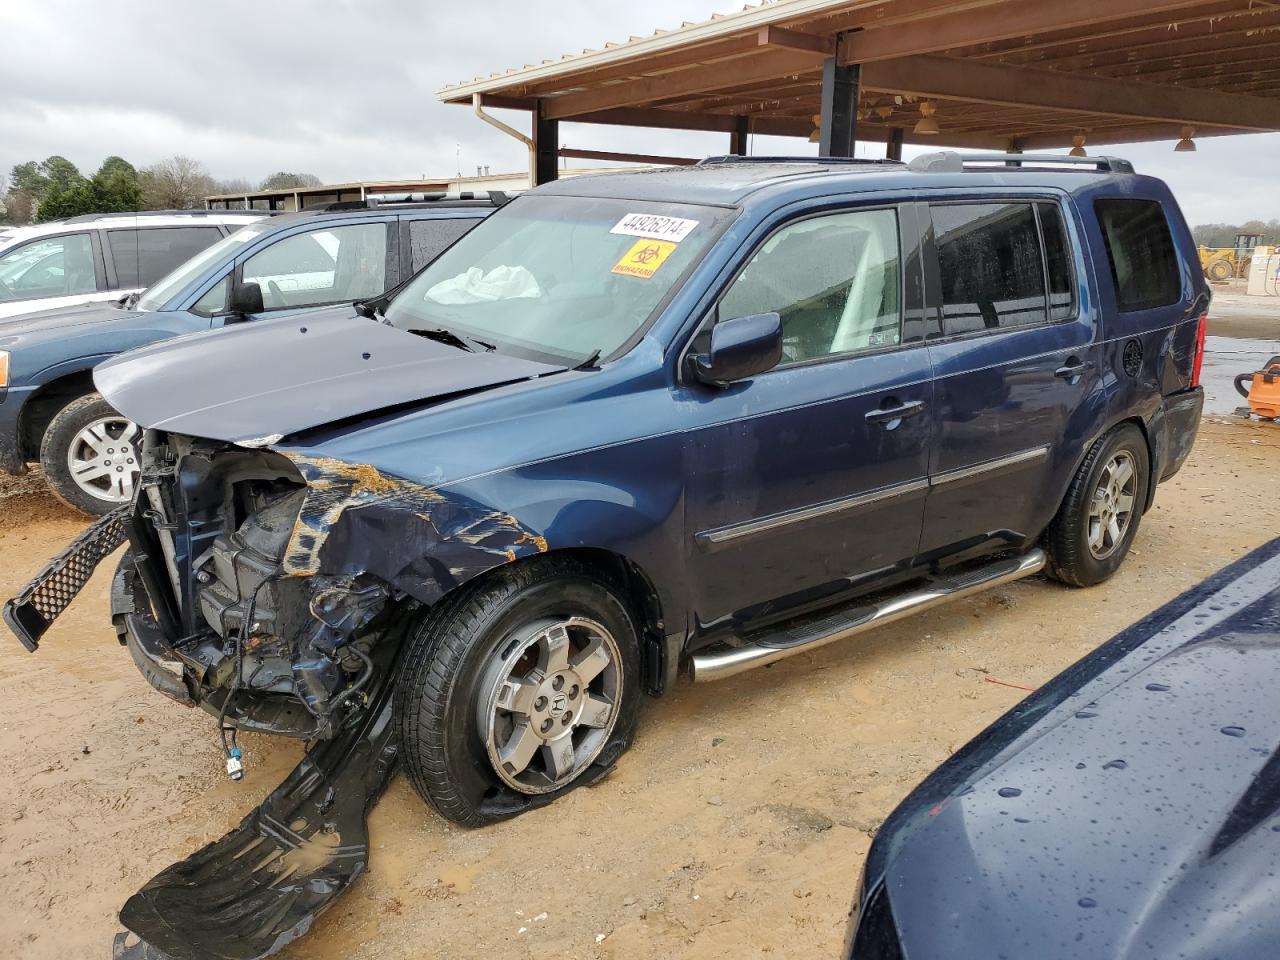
x,y
178,183
284,181
233,185
19,206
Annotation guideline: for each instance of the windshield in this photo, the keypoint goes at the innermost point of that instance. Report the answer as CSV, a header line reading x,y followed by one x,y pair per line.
x,y
558,276
159,293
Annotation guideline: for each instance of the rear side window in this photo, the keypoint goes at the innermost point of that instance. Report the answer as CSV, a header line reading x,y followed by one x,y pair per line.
x,y
1144,264
142,257
429,238
990,265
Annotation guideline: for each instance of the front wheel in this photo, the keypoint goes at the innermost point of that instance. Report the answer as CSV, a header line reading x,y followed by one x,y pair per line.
x,y
518,690
90,455
1096,524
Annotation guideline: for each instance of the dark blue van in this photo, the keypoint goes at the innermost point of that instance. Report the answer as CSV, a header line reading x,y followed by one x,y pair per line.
x,y
49,410
630,426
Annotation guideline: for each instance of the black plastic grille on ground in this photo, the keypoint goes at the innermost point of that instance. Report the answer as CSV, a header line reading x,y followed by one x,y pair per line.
x,y
33,611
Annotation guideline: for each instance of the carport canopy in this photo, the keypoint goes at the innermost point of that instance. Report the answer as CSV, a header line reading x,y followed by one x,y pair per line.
x,y
1008,75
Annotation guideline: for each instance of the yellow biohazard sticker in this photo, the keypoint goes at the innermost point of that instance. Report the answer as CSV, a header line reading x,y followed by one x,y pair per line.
x,y
644,258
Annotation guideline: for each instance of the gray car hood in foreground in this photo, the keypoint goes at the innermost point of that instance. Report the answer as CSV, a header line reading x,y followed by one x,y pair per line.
x,y
277,377
1135,818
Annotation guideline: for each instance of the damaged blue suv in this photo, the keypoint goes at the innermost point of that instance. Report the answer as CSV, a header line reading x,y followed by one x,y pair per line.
x,y
629,426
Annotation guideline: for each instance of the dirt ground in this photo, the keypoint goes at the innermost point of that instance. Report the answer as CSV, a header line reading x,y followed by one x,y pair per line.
x,y
735,827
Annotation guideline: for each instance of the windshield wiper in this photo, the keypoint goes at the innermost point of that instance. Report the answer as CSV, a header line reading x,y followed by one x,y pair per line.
x,y
592,361
441,335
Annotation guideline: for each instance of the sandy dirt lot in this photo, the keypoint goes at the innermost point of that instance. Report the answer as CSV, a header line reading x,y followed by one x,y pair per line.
x,y
736,827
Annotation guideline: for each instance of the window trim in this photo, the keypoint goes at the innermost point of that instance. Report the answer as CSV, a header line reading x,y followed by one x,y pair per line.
x,y
100,284
390,229
840,206
933,266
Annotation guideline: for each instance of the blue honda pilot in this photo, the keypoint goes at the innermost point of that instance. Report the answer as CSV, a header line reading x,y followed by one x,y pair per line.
x,y
630,426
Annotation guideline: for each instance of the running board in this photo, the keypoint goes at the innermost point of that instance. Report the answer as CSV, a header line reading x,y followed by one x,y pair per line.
x,y
766,647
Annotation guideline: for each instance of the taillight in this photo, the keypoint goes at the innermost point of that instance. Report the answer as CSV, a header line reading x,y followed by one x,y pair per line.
x,y
1199,360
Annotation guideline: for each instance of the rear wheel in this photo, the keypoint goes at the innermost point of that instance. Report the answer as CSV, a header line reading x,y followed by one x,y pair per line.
x,y
90,455
1221,270
518,690
1094,528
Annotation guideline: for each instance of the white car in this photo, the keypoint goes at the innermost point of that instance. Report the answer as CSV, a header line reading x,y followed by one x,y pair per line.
x,y
102,256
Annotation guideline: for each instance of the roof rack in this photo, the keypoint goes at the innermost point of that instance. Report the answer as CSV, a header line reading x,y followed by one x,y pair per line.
x,y
733,158
91,217
948,161
494,198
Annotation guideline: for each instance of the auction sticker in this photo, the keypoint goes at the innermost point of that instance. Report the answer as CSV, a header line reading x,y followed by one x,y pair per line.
x,y
644,258
654,227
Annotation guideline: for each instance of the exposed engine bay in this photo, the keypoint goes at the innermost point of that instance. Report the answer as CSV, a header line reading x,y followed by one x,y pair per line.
x,y
263,649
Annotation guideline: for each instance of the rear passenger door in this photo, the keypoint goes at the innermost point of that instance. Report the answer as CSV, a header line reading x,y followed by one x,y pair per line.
x,y
1013,357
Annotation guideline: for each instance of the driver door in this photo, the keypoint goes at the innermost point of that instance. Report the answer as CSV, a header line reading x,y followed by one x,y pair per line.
x,y
813,476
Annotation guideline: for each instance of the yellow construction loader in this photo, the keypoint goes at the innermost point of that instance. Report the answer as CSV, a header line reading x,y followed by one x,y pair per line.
x,y
1229,263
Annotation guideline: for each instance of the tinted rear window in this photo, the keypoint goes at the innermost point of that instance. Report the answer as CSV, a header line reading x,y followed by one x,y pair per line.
x,y
1144,264
144,256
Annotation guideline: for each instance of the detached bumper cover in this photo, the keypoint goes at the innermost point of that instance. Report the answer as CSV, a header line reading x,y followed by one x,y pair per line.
x,y
246,896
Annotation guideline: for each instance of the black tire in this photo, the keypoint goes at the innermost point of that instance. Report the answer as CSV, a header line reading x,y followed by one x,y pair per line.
x,y
448,656
1067,541
58,439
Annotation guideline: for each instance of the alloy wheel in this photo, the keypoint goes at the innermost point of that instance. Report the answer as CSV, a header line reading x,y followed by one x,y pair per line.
x,y
1112,505
548,702
103,459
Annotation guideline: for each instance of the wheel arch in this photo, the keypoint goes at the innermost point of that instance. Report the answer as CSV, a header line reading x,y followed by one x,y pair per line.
x,y
45,403
1144,428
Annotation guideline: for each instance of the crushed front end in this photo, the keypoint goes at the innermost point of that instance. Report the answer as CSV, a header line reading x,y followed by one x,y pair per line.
x,y
261,646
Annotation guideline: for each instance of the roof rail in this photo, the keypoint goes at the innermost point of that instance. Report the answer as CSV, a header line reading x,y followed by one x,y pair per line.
x,y
494,198
733,158
200,212
948,161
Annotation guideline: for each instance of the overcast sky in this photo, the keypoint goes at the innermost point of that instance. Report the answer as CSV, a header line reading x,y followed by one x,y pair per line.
x,y
345,89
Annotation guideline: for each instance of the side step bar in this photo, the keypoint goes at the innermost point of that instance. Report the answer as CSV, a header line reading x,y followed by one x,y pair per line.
x,y
771,646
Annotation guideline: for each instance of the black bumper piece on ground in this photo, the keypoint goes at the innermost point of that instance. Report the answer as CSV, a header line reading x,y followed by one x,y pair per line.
x,y
33,611
262,885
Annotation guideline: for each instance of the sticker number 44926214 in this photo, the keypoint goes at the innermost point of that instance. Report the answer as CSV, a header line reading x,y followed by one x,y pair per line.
x,y
654,227
644,258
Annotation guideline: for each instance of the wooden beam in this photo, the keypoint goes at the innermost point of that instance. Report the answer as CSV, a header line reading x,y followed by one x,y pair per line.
x,y
964,27
1003,85
795,40
765,65
573,154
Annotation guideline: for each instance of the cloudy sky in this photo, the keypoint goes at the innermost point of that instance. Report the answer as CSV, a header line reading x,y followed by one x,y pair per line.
x,y
345,89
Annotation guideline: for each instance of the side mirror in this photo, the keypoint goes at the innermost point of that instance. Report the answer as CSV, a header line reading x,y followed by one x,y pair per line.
x,y
740,348
246,298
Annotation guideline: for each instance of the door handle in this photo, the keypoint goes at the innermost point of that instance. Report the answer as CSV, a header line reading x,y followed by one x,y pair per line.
x,y
1071,370
887,415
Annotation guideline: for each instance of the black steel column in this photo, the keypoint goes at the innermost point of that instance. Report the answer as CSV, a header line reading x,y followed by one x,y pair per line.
x,y
839,119
546,146
738,137
894,149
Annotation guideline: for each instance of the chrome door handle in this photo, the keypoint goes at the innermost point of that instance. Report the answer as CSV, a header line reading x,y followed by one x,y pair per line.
x,y
1073,368
889,414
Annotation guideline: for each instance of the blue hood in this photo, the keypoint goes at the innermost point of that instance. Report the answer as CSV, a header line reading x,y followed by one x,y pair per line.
x,y
1135,812
274,378
60,318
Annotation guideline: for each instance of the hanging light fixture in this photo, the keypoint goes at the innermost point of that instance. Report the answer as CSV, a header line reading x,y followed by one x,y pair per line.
x,y
1186,144
885,111
816,136
1077,148
926,124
